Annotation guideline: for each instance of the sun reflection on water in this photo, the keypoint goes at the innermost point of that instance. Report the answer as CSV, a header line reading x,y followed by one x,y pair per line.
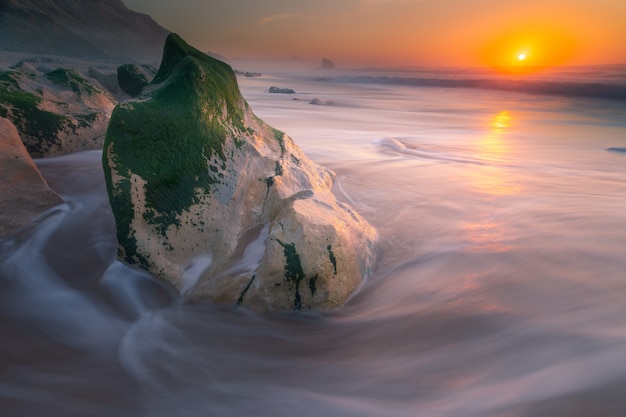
x,y
486,235
494,149
493,180
501,122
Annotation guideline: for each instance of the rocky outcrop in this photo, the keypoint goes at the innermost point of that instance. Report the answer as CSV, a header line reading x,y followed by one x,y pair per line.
x,y
24,193
317,102
248,74
328,64
219,204
55,113
25,68
619,150
278,90
133,78
79,28
106,79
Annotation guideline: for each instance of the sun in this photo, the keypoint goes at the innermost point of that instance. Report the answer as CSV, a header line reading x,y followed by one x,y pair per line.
x,y
528,48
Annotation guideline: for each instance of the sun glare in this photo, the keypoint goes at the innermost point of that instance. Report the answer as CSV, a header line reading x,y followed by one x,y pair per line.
x,y
522,50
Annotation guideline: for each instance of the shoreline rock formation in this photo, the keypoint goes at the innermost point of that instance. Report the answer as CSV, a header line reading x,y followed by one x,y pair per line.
x,y
133,78
327,64
277,90
55,113
221,205
24,193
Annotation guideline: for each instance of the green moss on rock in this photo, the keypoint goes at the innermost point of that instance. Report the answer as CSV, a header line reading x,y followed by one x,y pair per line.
x,y
293,271
131,79
280,137
9,79
22,108
333,260
169,133
313,284
278,169
73,80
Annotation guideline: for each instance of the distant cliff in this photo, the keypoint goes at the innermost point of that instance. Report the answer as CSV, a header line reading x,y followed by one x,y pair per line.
x,y
79,28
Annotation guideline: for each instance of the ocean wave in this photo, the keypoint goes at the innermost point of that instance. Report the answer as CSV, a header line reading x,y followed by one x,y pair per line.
x,y
605,90
397,146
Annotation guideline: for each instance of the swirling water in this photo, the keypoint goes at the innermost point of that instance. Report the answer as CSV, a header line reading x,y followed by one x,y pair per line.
x,y
499,289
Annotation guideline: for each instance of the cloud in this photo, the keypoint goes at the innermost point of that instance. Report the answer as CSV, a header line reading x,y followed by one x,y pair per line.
x,y
282,16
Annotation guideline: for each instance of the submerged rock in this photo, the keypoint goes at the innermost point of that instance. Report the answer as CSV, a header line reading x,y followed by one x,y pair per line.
x,y
247,73
24,193
620,150
55,113
317,102
219,204
277,90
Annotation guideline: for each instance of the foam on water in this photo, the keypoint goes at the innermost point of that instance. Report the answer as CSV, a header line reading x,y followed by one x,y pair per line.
x,y
401,148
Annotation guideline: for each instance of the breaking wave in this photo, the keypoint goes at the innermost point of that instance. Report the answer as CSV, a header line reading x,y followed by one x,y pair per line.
x,y
395,145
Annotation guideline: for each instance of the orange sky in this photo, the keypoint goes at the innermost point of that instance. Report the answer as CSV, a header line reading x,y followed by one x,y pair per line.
x,y
403,32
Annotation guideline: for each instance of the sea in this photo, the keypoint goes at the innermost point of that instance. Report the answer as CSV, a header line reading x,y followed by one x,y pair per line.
x,y
499,288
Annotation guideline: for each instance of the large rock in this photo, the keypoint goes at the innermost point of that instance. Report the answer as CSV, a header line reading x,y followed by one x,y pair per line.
x,y
222,206
24,193
277,90
56,113
134,78
328,64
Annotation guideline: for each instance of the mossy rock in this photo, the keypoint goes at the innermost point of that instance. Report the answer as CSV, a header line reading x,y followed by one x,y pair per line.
x,y
171,155
192,174
10,79
131,79
72,80
51,121
22,108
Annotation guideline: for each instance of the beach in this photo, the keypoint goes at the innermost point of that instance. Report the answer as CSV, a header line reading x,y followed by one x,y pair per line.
x,y
497,291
